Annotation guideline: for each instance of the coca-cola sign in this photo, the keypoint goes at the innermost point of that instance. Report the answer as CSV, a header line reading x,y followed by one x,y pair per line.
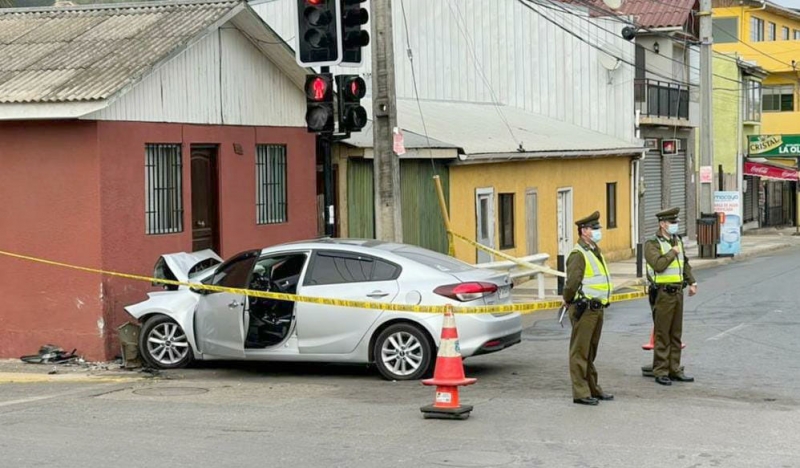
x,y
769,172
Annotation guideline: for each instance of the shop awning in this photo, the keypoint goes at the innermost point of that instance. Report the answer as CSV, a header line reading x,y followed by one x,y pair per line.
x,y
767,171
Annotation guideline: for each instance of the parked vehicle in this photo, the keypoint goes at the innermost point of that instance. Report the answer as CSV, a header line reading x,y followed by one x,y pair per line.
x,y
183,324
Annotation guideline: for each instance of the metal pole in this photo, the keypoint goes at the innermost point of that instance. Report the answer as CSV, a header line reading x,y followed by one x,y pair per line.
x,y
388,214
706,104
324,143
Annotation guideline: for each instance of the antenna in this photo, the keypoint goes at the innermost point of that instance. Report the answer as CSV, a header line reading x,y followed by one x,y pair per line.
x,y
608,59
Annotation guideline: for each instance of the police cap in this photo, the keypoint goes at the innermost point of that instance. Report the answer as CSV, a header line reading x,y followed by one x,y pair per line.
x,y
591,221
669,215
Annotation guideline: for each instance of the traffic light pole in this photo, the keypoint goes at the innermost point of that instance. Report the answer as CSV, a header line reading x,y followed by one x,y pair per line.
x,y
324,146
388,219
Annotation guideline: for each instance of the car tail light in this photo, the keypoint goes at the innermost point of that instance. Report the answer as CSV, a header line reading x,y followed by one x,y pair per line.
x,y
466,292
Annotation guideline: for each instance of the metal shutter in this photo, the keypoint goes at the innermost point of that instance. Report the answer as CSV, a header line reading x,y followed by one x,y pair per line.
x,y
651,168
750,198
677,186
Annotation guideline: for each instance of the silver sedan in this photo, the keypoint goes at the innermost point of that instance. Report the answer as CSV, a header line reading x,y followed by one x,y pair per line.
x,y
182,324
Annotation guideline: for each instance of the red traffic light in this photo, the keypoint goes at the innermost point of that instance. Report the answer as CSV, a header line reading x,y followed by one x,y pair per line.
x,y
315,2
317,88
355,88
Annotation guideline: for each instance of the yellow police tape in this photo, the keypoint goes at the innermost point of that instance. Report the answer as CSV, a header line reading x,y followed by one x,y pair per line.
x,y
522,308
523,263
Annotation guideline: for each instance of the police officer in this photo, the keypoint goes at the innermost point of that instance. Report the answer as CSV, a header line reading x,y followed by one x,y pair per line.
x,y
586,293
668,272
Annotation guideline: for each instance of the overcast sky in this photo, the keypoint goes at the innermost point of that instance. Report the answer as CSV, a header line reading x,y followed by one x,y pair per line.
x,y
788,3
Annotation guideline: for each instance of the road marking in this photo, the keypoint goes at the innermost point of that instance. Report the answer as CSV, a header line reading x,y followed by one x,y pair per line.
x,y
726,332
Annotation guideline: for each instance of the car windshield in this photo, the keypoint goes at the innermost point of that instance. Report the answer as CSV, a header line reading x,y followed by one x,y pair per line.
x,y
433,259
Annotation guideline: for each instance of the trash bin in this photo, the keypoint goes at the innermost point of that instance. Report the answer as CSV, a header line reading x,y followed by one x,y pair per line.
x,y
708,227
129,344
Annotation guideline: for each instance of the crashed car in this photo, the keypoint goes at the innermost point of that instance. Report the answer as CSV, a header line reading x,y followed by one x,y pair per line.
x,y
183,324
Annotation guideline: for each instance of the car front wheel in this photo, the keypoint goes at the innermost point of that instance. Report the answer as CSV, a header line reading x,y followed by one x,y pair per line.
x,y
163,344
403,352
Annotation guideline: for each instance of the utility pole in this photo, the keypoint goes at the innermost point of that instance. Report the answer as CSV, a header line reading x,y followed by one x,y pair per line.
x,y
388,218
706,105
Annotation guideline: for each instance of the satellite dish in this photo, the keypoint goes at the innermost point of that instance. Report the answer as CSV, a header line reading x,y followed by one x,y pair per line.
x,y
613,4
609,57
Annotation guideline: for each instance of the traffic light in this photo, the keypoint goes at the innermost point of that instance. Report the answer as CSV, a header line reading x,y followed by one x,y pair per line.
x,y
350,90
319,40
353,36
319,102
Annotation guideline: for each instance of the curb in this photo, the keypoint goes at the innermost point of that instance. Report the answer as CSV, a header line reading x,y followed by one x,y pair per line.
x,y
25,377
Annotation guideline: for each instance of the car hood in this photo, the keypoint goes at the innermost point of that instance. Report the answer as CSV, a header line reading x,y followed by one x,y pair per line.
x,y
180,265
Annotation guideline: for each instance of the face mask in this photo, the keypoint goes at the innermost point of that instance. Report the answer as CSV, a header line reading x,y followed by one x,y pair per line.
x,y
672,228
597,235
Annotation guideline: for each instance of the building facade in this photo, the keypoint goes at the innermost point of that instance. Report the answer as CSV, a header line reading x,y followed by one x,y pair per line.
x,y
765,34
130,132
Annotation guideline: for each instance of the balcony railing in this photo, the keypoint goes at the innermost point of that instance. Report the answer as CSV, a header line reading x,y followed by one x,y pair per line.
x,y
661,99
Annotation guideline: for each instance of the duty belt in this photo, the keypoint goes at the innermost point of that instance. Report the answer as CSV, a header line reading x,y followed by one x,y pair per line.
x,y
670,288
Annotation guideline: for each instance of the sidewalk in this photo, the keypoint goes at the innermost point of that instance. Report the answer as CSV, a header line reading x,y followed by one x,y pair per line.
x,y
623,274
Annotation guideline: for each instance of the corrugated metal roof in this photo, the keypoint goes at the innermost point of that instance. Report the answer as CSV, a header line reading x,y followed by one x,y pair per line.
x,y
89,53
480,132
411,140
647,13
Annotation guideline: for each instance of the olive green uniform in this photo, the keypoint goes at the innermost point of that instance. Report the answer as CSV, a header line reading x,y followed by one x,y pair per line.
x,y
667,310
586,332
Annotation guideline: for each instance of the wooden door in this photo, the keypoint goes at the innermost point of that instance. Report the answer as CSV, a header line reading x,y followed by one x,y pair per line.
x,y
204,199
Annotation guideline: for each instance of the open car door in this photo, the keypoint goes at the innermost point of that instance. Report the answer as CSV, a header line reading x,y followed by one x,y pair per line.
x,y
220,321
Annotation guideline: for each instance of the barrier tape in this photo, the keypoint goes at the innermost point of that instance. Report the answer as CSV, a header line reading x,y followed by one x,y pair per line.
x,y
531,266
522,308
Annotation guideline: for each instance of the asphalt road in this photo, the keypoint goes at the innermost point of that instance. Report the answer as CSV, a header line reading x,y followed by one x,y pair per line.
x,y
743,343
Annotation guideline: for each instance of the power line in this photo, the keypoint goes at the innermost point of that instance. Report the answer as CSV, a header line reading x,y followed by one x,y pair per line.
x,y
414,80
479,69
616,15
595,46
554,3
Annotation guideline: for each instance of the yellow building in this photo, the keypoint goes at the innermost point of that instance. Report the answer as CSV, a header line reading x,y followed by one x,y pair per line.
x,y
768,35
529,205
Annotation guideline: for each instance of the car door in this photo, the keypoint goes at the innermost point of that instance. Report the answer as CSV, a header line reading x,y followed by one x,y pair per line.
x,y
323,329
220,320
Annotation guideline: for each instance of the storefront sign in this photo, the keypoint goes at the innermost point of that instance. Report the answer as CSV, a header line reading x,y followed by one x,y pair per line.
x,y
769,172
772,146
730,233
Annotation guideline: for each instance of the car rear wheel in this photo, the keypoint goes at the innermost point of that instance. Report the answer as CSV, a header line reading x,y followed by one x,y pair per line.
x,y
403,352
163,344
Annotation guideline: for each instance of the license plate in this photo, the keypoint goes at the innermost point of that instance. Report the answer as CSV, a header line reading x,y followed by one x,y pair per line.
x,y
503,292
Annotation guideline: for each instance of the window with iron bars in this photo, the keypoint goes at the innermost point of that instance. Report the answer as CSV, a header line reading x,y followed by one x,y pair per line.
x,y
163,189
271,190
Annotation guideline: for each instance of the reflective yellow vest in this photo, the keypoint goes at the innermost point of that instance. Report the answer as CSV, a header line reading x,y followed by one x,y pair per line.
x,y
674,272
596,279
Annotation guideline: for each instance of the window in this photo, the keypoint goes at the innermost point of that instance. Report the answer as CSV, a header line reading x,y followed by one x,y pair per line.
x,y
271,184
778,98
785,33
611,205
756,29
771,32
796,35
235,272
506,220
725,30
344,267
752,101
163,189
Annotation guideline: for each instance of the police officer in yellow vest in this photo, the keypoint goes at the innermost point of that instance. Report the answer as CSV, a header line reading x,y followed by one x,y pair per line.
x,y
668,272
587,291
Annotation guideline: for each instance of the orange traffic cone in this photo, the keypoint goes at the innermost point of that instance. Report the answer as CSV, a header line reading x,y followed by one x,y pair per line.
x,y
649,346
448,375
